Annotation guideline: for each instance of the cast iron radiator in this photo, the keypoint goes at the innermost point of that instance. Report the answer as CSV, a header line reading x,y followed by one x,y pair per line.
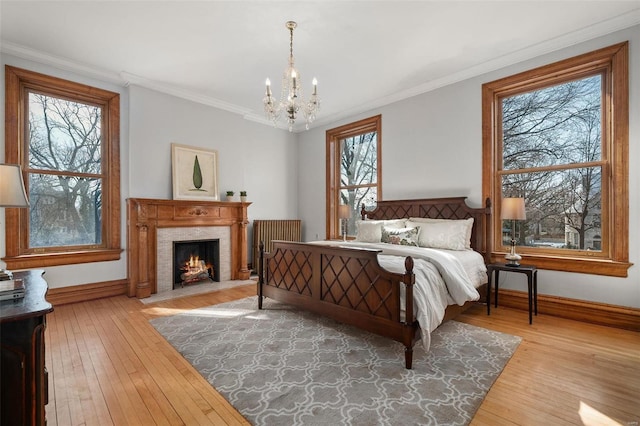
x,y
274,229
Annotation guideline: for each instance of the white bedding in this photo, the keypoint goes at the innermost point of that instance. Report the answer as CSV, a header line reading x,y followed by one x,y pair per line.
x,y
443,277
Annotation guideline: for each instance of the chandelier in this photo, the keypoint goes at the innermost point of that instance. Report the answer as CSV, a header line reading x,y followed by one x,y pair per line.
x,y
291,98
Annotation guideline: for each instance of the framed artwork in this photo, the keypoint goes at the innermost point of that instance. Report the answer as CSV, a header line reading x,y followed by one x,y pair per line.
x,y
195,173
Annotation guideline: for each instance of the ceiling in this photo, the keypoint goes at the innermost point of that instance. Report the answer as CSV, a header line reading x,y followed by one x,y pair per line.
x,y
364,53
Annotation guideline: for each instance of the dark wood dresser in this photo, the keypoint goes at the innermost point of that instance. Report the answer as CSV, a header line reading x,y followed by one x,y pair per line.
x,y
24,391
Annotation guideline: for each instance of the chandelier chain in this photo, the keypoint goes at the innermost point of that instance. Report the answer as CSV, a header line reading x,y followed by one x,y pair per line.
x,y
291,43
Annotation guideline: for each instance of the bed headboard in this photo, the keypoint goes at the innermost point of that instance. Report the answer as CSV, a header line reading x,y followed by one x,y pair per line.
x,y
439,208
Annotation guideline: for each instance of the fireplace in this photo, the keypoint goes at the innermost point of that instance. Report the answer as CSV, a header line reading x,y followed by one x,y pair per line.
x,y
152,226
195,261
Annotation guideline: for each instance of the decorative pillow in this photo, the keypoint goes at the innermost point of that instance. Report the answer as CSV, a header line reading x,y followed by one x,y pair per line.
x,y
400,236
370,231
456,225
444,234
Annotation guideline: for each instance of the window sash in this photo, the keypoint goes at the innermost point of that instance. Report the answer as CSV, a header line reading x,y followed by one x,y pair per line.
x,y
67,172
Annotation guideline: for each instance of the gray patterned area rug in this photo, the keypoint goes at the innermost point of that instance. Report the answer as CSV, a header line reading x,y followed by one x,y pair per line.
x,y
282,366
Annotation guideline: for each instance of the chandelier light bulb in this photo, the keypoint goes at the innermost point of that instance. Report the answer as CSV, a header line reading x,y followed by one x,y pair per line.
x,y
268,83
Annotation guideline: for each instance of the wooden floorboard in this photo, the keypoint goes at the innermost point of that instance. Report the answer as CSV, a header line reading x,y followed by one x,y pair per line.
x,y
564,372
108,366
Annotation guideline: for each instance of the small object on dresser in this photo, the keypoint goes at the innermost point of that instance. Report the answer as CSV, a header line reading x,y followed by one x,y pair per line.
x,y
5,275
11,289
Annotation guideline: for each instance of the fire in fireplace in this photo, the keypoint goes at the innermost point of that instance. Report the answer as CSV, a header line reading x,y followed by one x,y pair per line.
x,y
195,261
195,269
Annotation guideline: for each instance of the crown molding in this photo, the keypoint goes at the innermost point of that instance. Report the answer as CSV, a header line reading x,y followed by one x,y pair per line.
x,y
124,78
183,93
259,118
60,63
597,30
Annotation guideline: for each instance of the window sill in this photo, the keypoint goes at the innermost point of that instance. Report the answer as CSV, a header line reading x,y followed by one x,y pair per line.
x,y
606,267
40,260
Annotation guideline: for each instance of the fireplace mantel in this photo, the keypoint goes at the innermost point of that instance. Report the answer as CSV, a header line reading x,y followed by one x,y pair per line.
x,y
145,216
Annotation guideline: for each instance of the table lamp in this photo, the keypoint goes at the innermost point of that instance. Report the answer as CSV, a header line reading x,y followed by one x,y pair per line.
x,y
513,209
12,194
344,213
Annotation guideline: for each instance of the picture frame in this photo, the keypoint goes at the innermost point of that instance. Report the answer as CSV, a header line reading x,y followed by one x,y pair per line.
x,y
195,173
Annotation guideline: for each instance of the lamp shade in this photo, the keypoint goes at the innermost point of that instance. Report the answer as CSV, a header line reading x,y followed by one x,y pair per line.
x,y
513,209
12,192
344,211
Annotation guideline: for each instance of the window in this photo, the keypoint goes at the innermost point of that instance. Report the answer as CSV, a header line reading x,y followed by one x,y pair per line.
x,y
66,137
353,170
558,136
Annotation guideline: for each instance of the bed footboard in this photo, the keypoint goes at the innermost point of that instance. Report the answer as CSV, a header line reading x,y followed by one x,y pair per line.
x,y
345,284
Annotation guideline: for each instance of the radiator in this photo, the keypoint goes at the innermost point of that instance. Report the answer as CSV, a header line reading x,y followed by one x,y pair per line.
x,y
275,229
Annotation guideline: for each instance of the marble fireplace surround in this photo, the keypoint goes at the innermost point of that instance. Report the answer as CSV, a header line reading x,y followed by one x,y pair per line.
x,y
165,238
145,217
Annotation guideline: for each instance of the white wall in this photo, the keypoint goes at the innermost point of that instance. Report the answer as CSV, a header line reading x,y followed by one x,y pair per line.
x,y
432,147
253,157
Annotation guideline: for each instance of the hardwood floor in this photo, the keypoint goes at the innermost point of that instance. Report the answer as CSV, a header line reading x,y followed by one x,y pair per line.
x,y
108,366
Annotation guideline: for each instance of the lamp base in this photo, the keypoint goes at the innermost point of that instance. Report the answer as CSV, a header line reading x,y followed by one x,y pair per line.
x,y
344,230
513,262
513,259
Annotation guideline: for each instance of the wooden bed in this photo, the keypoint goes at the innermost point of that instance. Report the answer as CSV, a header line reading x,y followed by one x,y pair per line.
x,y
349,285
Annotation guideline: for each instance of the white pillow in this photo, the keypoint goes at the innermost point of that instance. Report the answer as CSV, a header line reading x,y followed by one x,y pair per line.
x,y
400,236
370,231
451,234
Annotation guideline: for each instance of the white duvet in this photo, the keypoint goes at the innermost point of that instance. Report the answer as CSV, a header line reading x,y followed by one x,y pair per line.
x,y
443,277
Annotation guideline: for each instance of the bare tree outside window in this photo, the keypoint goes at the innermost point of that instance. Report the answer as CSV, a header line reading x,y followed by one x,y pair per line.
x,y
358,173
65,181
552,156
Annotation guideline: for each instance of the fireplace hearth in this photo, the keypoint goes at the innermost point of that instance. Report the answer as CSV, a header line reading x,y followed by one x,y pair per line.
x,y
195,261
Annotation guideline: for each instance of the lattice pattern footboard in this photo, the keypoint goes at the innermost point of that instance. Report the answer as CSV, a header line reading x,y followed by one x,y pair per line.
x,y
345,284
